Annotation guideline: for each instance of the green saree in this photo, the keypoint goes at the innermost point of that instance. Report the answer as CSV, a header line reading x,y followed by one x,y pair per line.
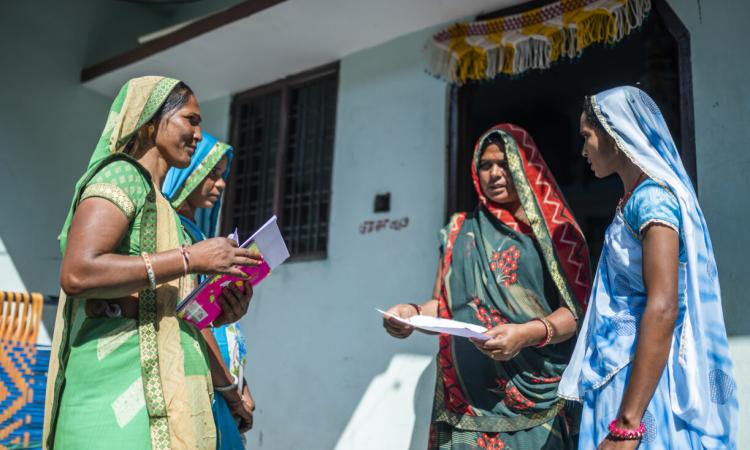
x,y
120,383
497,270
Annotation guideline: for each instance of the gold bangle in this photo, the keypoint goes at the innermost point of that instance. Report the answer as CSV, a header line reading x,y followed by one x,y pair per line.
x,y
185,258
149,270
550,332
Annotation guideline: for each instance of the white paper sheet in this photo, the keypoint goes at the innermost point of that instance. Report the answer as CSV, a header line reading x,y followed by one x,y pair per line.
x,y
271,244
438,325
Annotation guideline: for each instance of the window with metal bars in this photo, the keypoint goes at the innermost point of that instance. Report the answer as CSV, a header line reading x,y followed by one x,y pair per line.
x,y
283,136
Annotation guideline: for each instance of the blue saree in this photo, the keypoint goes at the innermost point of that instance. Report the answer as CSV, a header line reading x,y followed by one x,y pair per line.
x,y
695,403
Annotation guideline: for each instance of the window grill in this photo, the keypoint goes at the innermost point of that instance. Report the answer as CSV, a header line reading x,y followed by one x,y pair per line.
x,y
283,136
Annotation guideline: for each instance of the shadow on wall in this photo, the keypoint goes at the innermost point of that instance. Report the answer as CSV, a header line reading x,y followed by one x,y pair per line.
x,y
407,383
423,397
11,281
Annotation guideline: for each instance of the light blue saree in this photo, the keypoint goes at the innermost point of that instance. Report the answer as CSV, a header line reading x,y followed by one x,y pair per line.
x,y
695,404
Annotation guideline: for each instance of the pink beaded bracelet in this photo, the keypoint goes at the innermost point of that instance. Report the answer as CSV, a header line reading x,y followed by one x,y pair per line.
x,y
624,433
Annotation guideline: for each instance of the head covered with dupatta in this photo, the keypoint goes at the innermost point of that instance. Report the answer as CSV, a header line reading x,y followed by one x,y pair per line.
x,y
135,105
181,182
177,412
499,270
701,371
550,218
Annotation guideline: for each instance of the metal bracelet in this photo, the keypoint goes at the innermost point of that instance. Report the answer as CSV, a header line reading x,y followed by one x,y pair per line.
x,y
149,270
550,332
227,388
185,258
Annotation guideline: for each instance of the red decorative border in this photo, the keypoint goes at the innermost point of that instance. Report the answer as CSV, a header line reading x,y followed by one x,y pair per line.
x,y
566,235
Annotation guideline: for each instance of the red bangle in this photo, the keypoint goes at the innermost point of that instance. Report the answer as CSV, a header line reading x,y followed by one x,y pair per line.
x,y
549,335
418,308
626,434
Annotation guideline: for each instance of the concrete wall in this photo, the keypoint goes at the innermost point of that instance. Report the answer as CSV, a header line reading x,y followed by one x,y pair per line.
x,y
50,123
316,351
721,86
721,71
325,373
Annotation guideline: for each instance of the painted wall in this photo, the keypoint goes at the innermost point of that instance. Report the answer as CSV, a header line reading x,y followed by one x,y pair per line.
x,y
325,373
131,21
216,117
50,123
322,369
721,71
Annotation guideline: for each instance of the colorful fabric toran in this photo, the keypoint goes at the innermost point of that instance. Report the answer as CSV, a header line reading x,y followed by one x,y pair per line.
x,y
534,39
497,270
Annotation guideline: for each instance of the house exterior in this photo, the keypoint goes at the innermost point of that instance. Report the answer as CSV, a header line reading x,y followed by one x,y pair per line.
x,y
323,372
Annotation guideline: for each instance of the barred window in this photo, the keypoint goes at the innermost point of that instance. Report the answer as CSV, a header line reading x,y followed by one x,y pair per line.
x,y
283,135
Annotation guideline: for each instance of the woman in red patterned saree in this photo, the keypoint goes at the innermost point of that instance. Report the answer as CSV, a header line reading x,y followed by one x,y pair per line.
x,y
518,265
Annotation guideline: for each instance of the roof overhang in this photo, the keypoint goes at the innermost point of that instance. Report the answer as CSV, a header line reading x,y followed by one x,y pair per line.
x,y
259,41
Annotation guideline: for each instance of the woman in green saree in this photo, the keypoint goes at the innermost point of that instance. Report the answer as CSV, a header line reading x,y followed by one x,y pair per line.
x,y
518,265
125,372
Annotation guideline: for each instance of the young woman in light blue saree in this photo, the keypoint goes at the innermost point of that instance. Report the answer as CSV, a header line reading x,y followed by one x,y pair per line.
x,y
651,365
195,191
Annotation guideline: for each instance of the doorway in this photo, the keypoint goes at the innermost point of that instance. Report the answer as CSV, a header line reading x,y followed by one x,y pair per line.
x,y
547,103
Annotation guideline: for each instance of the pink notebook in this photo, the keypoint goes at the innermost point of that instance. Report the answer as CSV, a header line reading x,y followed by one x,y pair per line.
x,y
202,305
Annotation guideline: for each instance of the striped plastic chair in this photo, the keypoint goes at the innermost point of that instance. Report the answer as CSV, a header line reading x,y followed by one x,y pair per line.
x,y
23,371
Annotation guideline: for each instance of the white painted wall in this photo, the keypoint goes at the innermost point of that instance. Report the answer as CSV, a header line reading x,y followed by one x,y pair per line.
x,y
314,380
11,281
49,122
325,373
216,118
9,278
721,70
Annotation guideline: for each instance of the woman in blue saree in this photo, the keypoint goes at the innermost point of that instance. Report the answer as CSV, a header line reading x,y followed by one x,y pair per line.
x,y
195,192
651,365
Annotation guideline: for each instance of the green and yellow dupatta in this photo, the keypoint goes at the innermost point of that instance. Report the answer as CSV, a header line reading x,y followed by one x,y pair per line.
x,y
166,390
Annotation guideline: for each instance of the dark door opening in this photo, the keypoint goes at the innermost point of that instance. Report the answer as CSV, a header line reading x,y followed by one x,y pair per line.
x,y
548,105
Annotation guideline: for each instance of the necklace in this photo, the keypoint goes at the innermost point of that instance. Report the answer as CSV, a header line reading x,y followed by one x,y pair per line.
x,y
626,197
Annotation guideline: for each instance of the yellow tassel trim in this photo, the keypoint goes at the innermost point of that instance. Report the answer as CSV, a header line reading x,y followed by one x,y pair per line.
x,y
532,40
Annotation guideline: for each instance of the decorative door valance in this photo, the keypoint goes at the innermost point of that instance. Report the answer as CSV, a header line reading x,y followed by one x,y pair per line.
x,y
531,40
